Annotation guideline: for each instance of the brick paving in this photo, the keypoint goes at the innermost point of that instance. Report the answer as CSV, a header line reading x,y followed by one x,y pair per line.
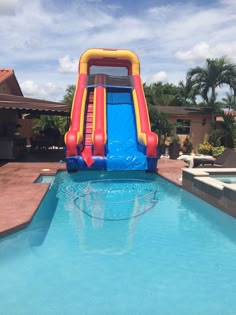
x,y
20,196
171,170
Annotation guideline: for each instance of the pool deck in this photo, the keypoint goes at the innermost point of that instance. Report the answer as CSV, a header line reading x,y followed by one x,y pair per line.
x,y
171,170
20,195
199,182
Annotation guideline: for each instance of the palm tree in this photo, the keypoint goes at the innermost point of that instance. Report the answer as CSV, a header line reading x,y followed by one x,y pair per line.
x,y
230,101
187,94
206,79
229,127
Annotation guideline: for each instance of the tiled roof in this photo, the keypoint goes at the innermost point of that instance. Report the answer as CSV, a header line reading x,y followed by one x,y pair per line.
x,y
16,101
8,76
5,74
31,105
182,110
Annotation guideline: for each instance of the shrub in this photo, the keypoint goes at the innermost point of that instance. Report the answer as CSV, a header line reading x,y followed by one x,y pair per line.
x,y
174,139
216,137
205,148
187,146
218,151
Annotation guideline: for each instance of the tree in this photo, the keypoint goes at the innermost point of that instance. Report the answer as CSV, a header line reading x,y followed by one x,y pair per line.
x,y
187,94
166,94
160,125
229,101
50,121
159,93
69,96
148,94
229,127
206,79
224,133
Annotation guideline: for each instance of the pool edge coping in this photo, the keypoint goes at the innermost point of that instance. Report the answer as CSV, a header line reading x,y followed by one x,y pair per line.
x,y
219,194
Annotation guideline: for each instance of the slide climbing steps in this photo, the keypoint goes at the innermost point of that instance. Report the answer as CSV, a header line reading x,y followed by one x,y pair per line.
x,y
88,129
89,121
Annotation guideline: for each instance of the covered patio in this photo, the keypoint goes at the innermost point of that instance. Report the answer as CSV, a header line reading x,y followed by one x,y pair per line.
x,y
18,111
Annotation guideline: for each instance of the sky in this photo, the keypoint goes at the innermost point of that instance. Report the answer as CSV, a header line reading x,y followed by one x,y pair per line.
x,y
42,40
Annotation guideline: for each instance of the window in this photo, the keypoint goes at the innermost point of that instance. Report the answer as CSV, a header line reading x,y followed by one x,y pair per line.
x,y
116,71
183,127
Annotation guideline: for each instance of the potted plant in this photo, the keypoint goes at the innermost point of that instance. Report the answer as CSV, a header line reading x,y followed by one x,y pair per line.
x,y
187,147
174,147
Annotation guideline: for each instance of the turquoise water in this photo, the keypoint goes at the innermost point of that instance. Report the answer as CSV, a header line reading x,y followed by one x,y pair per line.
x,y
228,179
135,245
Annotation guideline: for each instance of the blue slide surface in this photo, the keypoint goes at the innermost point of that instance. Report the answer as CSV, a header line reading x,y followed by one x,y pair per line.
x,y
123,152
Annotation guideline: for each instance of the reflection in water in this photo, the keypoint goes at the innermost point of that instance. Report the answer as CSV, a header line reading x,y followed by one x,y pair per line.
x,y
111,200
34,235
101,207
39,227
105,213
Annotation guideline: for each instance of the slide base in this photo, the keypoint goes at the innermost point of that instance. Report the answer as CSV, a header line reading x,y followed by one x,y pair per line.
x,y
77,163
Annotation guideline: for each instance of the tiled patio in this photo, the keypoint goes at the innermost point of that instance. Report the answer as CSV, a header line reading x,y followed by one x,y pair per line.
x,y
20,195
171,170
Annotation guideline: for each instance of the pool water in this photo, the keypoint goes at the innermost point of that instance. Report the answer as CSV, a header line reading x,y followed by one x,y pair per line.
x,y
120,243
228,179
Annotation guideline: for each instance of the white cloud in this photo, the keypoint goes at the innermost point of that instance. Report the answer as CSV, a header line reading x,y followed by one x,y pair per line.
x,y
160,76
225,49
229,3
8,7
199,52
202,51
39,41
68,64
40,90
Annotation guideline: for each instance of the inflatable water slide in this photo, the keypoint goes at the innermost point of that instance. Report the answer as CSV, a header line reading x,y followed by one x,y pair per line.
x,y
110,128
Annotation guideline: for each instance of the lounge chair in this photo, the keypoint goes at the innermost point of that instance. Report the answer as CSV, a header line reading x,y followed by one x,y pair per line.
x,y
201,160
196,160
226,159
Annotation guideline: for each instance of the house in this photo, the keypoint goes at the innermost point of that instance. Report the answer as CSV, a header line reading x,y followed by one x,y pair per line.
x,y
16,112
191,122
9,83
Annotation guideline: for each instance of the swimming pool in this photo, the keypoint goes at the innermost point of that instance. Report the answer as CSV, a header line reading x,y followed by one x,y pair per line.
x,y
228,179
146,247
214,185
